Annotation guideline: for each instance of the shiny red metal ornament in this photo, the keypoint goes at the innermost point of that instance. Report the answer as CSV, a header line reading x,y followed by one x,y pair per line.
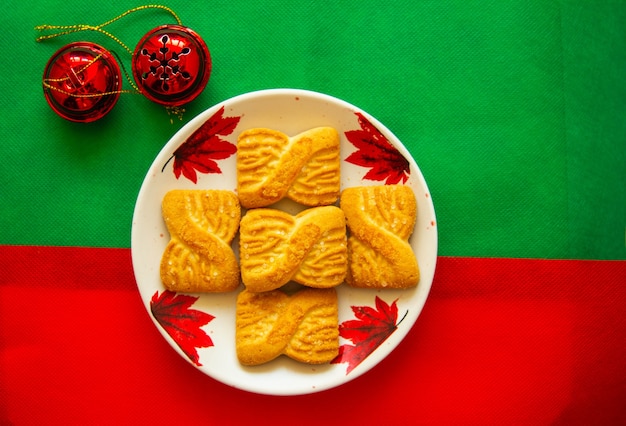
x,y
82,82
171,65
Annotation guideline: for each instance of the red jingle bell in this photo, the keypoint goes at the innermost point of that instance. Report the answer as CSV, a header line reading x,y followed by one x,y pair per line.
x,y
171,65
82,81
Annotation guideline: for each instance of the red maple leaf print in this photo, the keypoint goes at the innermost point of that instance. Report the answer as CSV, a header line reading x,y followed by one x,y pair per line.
x,y
371,328
171,310
199,152
376,152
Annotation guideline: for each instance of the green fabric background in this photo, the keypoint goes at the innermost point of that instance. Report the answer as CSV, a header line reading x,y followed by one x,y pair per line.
x,y
515,111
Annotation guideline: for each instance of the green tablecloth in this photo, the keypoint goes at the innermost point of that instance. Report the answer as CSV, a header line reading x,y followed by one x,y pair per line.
x,y
513,110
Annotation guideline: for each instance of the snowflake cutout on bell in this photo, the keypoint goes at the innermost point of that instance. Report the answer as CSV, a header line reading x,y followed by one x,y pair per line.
x,y
171,65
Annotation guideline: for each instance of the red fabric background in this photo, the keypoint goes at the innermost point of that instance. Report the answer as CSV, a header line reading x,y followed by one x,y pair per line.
x,y
500,341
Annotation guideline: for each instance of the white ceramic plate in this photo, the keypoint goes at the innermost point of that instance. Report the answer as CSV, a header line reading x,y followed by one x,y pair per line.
x,y
290,111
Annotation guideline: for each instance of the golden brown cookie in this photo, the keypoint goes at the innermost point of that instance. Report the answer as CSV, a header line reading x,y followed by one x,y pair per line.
x,y
380,220
304,168
303,326
199,256
309,248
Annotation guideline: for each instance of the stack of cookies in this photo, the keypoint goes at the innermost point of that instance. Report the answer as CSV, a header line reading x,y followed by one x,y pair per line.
x,y
358,237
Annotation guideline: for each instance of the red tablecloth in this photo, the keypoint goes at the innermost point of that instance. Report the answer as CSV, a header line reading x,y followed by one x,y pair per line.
x,y
500,341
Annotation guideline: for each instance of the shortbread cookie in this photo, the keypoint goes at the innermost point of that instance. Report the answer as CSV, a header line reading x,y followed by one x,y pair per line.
x,y
303,326
380,220
199,256
309,248
304,168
